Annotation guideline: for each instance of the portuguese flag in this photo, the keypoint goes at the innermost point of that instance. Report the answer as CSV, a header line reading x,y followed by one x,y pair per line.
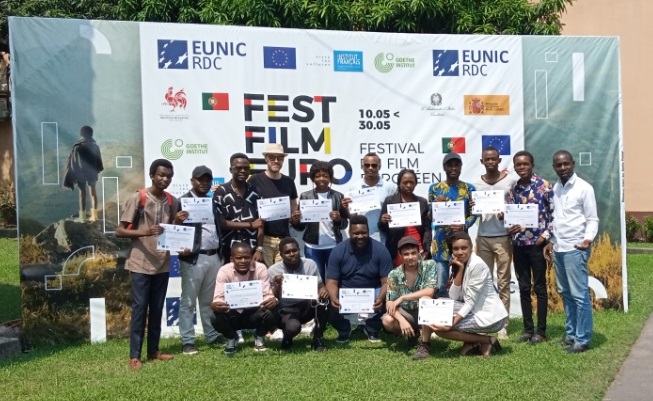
x,y
215,101
453,144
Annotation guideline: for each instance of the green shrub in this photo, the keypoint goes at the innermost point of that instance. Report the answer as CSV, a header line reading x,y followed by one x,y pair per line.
x,y
647,228
633,228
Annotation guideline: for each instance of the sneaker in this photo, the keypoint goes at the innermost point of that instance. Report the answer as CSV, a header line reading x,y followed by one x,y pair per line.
x,y
372,337
239,333
318,345
422,352
576,348
286,343
219,340
307,328
537,339
189,349
231,347
343,338
566,341
276,336
524,338
502,334
259,344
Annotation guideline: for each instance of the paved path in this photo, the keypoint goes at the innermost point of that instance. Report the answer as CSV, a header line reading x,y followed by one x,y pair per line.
x,y
635,378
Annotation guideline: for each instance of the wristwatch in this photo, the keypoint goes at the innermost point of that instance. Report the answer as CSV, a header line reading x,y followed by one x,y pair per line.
x,y
259,249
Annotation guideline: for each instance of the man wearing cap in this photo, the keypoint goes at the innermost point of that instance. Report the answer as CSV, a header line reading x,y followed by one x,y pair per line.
x,y
199,267
371,166
451,189
407,283
271,183
493,241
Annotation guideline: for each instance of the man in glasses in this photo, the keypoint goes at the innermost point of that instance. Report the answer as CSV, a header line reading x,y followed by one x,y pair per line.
x,y
371,166
271,183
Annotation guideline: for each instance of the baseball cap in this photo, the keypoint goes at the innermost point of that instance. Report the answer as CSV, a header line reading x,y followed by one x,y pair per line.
x,y
407,241
451,156
200,171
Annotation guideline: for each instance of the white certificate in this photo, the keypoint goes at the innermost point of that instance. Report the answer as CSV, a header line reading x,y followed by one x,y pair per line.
x,y
404,214
298,286
363,200
435,311
448,213
243,294
356,300
200,210
314,210
274,208
526,215
175,238
489,202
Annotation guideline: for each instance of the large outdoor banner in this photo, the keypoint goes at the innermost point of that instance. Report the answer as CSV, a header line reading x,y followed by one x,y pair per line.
x,y
195,94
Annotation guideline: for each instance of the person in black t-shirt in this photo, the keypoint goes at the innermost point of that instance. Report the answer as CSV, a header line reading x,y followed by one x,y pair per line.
x,y
272,184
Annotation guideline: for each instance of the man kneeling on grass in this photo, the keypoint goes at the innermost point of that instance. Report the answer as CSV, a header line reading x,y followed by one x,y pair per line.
x,y
227,321
407,283
294,312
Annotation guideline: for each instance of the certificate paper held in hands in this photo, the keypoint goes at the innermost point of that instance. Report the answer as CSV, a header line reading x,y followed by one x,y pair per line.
x,y
175,238
526,215
200,210
363,200
298,286
271,209
356,300
448,213
314,210
488,202
435,311
404,214
243,294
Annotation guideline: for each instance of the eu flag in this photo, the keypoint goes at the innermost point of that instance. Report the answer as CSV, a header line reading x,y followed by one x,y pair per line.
x,y
501,142
280,58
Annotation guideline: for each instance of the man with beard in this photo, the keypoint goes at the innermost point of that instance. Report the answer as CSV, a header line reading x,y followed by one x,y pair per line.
x,y
371,166
358,262
271,183
235,206
295,312
261,318
198,267
575,224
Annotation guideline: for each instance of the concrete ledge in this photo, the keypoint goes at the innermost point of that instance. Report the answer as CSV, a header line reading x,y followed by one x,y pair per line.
x,y
9,347
633,251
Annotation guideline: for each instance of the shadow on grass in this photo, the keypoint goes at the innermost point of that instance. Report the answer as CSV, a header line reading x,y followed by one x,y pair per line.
x,y
9,302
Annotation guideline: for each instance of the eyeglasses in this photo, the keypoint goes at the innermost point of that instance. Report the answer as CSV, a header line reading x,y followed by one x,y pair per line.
x,y
370,165
275,158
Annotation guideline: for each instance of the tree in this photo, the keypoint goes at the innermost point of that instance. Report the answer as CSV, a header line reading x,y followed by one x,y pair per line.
x,y
507,17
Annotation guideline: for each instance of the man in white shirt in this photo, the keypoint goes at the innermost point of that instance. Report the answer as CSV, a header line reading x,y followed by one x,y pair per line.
x,y
575,224
371,166
493,242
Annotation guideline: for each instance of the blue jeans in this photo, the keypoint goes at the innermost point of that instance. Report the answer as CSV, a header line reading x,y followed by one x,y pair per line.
x,y
197,284
320,257
442,273
572,280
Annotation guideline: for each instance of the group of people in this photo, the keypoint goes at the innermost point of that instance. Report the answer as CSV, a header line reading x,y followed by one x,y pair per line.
x,y
401,264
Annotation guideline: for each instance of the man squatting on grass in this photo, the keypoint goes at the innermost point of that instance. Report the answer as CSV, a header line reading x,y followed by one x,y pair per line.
x,y
149,267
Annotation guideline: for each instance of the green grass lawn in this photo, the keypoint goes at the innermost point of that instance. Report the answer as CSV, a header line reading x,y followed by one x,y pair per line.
x,y
360,372
9,280
640,245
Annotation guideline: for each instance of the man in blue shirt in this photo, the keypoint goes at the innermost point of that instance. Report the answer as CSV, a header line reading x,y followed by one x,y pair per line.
x,y
358,262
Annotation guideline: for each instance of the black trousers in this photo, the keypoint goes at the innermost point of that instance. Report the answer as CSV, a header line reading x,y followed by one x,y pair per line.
x,y
227,323
148,297
530,265
292,317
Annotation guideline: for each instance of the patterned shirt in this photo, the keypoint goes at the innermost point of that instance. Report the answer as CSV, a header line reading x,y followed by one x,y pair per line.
x,y
540,192
397,286
460,192
233,207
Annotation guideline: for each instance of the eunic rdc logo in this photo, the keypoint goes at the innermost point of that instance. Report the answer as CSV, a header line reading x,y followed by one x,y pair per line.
x,y
197,54
453,63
